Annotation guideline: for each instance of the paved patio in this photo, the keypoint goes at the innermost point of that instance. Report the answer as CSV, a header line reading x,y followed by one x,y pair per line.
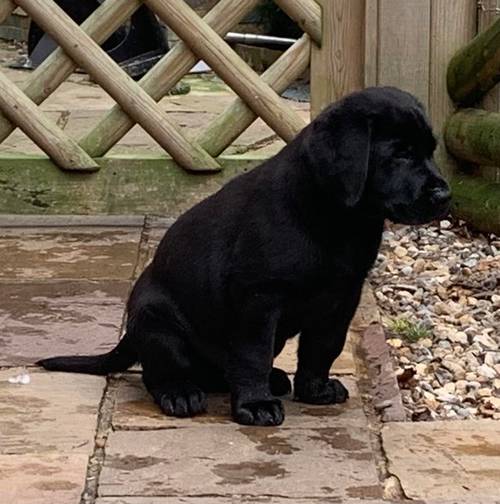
x,y
67,437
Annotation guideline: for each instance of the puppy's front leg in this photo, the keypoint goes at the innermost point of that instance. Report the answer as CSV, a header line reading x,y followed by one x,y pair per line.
x,y
251,361
320,343
318,349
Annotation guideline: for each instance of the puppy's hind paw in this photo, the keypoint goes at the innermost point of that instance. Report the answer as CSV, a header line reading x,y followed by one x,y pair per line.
x,y
321,392
279,383
182,400
262,413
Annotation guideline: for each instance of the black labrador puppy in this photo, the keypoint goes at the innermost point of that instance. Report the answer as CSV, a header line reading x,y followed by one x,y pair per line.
x,y
281,250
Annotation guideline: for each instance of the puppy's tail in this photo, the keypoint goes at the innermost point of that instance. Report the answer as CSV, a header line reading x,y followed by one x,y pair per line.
x,y
119,359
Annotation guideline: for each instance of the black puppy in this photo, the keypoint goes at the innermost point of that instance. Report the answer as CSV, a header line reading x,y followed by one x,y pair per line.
x,y
281,250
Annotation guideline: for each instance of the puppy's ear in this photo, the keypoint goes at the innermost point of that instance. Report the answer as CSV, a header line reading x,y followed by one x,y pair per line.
x,y
337,149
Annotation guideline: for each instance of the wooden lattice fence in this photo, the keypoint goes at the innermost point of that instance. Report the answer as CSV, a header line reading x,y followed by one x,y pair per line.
x,y
201,39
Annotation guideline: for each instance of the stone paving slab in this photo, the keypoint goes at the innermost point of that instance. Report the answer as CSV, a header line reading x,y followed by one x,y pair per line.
x,y
42,478
46,318
135,410
54,413
330,462
54,253
445,460
47,432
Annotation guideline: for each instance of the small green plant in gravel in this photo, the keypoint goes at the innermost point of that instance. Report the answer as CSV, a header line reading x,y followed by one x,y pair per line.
x,y
408,330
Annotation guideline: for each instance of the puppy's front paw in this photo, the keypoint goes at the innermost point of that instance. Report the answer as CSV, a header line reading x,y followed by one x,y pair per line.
x,y
264,413
182,400
317,391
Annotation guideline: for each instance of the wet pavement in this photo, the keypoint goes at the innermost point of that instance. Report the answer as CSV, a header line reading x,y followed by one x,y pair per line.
x,y
82,439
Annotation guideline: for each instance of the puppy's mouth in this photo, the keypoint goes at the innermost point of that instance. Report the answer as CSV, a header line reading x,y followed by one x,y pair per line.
x,y
418,214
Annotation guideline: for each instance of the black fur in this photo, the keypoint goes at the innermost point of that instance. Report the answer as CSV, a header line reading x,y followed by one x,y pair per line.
x,y
281,250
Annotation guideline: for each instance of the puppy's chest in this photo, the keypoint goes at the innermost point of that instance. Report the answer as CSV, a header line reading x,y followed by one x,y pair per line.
x,y
313,301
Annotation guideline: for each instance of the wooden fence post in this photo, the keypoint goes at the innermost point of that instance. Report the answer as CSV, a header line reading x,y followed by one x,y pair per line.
x,y
337,68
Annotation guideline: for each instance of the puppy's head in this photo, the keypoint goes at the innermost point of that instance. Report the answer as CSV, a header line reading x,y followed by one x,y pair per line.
x,y
375,147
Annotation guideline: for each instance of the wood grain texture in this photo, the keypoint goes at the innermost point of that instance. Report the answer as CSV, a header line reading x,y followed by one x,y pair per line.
x,y
371,43
51,139
337,68
306,13
52,72
106,72
162,77
229,125
453,25
210,47
404,46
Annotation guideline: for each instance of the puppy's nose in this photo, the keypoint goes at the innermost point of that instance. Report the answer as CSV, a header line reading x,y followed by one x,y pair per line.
x,y
440,196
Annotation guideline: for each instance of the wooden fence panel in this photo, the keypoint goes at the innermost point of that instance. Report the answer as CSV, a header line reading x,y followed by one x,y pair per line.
x,y
238,116
364,42
371,43
46,78
404,43
205,42
162,77
118,84
337,67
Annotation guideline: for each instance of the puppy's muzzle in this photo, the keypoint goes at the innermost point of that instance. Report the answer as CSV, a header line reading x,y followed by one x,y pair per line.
x,y
440,198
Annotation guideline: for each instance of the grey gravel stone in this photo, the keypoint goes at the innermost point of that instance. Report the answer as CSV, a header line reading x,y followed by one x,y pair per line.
x,y
445,282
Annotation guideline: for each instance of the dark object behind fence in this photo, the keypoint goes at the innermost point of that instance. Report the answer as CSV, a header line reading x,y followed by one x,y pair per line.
x,y
136,45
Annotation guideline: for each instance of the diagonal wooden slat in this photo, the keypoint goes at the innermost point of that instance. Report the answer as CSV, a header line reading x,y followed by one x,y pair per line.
x,y
60,147
209,46
45,79
162,77
106,72
228,126
307,14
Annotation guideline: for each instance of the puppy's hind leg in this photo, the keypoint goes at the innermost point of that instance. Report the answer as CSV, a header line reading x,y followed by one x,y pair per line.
x,y
167,372
163,351
160,333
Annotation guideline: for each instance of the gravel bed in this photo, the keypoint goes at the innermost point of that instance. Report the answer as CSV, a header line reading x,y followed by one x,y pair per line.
x,y
438,288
